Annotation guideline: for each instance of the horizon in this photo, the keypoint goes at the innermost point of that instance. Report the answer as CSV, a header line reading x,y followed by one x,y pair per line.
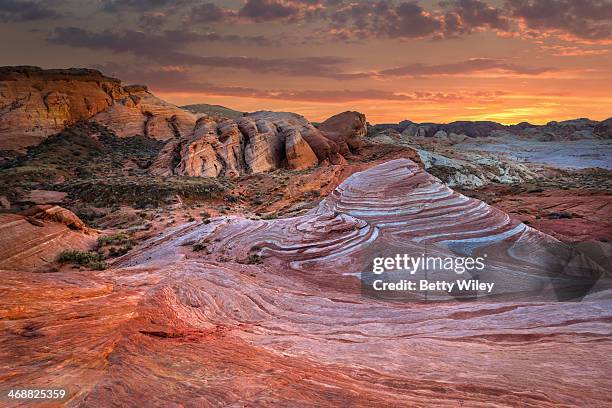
x,y
168,98
509,62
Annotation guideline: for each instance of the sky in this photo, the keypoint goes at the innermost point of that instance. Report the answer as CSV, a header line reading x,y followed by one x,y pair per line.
x,y
428,61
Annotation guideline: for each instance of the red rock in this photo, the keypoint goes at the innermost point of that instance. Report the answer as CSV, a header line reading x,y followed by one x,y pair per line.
x,y
299,154
45,197
141,113
42,102
347,129
33,239
254,143
568,215
170,326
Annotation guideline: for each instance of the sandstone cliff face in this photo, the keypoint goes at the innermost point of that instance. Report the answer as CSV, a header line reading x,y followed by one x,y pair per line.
x,y
36,103
138,112
259,142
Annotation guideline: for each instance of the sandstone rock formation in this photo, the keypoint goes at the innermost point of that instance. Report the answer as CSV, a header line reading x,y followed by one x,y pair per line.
x,y
474,170
444,157
347,129
259,142
576,129
272,313
139,112
54,213
36,103
31,240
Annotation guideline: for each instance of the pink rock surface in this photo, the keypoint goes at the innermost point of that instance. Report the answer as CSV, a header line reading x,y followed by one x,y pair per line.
x,y
172,327
33,239
37,103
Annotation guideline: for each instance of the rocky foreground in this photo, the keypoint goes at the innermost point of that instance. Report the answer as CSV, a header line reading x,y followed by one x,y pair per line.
x,y
270,312
209,257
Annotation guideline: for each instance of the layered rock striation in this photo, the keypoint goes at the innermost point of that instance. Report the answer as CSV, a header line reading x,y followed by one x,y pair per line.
x,y
270,312
36,103
34,238
259,142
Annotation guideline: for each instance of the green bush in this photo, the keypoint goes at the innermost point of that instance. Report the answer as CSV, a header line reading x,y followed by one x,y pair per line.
x,y
93,260
115,239
79,257
97,266
198,247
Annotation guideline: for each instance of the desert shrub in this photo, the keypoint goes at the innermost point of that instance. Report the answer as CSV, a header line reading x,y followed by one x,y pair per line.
x,y
198,247
232,198
253,259
120,244
97,266
78,257
115,239
560,215
93,260
143,191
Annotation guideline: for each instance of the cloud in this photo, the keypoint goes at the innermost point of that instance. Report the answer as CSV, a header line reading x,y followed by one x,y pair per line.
x,y
461,67
15,10
467,16
350,20
171,79
176,80
209,13
258,11
589,20
146,44
114,6
265,10
323,96
165,48
384,19
573,51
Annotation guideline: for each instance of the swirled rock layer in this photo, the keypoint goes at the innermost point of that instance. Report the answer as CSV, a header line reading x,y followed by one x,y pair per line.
x,y
270,313
33,239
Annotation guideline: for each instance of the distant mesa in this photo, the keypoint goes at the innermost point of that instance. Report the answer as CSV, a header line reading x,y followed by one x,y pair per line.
x,y
576,129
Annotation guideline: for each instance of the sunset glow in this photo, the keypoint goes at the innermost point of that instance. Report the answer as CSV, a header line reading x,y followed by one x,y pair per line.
x,y
512,61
